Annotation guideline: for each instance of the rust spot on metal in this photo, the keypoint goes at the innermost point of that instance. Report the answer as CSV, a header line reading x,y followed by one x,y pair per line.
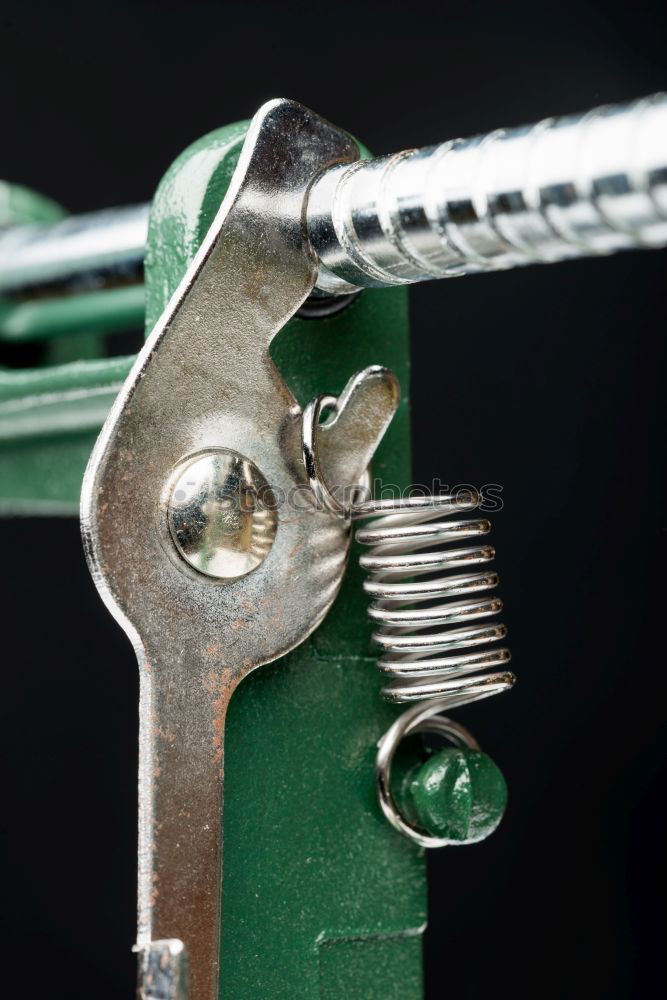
x,y
276,619
219,685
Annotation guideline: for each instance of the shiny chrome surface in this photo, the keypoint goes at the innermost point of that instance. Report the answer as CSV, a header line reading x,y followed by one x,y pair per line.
x,y
85,250
433,624
566,187
221,514
355,423
205,381
576,186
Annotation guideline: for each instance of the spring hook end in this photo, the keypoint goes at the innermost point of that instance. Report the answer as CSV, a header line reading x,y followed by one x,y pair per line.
x,y
456,796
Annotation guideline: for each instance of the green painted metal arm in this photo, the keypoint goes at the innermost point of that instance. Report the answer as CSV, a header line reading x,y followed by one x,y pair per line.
x,y
50,415
111,310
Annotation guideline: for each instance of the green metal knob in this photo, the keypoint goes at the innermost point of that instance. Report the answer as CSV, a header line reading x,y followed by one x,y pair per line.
x,y
457,793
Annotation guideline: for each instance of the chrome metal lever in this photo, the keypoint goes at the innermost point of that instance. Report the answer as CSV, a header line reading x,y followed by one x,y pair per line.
x,y
189,530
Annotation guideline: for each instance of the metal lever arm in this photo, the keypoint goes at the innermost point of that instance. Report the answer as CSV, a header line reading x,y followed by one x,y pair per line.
x,y
205,390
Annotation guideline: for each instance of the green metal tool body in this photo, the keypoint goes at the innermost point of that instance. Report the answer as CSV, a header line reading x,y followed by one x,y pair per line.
x,y
321,898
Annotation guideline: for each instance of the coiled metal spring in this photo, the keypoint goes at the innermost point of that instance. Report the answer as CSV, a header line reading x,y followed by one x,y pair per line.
x,y
433,624
431,649
437,643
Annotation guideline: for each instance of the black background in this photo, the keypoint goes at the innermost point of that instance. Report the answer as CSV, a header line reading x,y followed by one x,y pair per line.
x,y
547,381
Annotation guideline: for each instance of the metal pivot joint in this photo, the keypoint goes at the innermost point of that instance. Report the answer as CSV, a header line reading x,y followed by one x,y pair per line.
x,y
194,523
